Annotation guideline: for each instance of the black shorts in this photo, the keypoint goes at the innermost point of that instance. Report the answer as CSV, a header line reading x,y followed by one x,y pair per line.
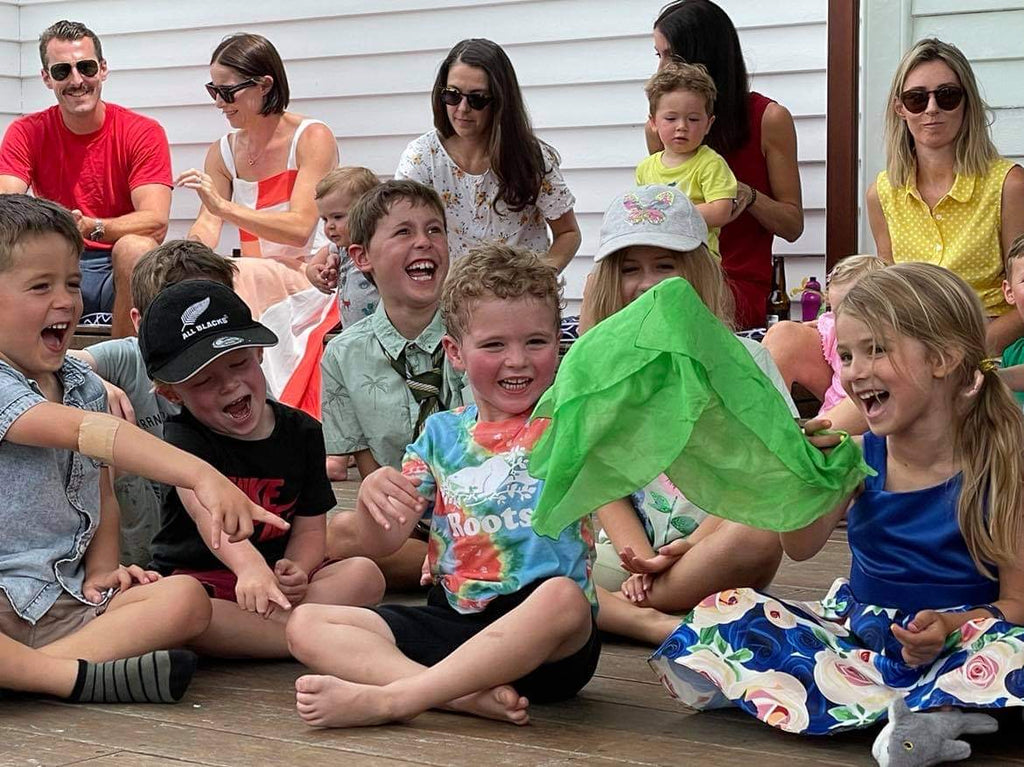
x,y
429,633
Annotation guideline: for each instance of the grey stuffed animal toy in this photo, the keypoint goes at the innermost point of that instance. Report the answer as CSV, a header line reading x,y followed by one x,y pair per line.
x,y
926,738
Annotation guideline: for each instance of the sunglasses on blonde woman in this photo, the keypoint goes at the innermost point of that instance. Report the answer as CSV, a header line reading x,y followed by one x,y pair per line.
x,y
62,70
947,98
453,97
227,92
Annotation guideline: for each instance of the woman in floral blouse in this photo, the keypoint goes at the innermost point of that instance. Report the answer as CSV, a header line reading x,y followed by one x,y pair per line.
x,y
497,180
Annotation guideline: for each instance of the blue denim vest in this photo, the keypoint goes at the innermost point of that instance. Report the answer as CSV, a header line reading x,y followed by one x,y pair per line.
x,y
49,499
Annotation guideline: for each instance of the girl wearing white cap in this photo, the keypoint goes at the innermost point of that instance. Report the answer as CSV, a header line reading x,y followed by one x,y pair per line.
x,y
657,552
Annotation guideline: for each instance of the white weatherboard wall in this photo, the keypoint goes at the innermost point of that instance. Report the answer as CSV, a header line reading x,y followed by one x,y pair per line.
x,y
10,64
366,67
991,35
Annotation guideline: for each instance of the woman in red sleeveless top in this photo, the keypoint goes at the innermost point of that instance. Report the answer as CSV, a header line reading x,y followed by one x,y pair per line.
x,y
756,137
260,178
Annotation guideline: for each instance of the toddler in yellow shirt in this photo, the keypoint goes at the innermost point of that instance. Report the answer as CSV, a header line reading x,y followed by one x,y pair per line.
x,y
682,101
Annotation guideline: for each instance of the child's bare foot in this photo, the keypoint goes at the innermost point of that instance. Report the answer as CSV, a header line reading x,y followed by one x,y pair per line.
x,y
337,467
502,703
326,701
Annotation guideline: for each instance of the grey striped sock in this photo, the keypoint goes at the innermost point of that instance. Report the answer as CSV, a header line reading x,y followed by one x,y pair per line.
x,y
156,677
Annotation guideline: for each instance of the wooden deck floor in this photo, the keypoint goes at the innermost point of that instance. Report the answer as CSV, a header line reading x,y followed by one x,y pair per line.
x,y
242,715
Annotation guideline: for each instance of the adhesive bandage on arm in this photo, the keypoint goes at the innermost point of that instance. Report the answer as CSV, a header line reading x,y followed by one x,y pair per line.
x,y
96,436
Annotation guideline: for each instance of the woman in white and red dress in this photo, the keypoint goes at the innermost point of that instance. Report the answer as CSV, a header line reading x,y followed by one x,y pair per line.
x,y
260,177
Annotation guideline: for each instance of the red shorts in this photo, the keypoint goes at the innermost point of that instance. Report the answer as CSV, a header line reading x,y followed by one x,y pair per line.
x,y
220,584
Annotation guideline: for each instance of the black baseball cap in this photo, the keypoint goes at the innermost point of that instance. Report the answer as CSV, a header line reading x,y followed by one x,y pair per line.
x,y
192,323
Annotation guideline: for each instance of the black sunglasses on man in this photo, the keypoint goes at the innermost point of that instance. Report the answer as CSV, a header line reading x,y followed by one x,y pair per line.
x,y
62,70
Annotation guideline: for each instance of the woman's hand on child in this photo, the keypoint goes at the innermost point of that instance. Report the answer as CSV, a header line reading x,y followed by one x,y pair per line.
x,y
121,579
923,638
292,580
118,404
813,429
230,509
388,496
257,591
667,556
744,196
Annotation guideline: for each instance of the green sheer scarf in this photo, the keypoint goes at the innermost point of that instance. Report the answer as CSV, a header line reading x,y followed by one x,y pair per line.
x,y
662,386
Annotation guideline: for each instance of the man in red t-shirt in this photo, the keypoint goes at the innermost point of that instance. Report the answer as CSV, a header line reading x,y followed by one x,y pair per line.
x,y
110,166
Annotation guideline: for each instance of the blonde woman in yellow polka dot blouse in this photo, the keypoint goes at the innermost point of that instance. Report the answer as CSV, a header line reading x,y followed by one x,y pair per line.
x,y
946,196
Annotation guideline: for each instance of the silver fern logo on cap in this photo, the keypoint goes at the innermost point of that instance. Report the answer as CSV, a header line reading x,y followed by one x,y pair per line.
x,y
194,312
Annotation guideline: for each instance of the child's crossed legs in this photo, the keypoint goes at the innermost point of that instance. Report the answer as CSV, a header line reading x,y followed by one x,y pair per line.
x,y
373,681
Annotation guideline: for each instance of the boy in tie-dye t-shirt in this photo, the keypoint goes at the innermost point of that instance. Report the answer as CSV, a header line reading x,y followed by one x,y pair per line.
x,y
474,475
511,616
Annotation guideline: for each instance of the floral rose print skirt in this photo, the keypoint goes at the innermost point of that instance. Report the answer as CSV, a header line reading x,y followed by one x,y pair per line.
x,y
822,667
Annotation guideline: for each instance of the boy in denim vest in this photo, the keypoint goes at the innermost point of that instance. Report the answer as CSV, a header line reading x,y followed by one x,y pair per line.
x,y
73,622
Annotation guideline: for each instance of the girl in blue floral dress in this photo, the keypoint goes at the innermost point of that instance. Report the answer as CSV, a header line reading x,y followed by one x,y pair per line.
x,y
930,613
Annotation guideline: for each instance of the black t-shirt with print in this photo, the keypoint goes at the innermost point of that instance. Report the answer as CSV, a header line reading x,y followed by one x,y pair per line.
x,y
285,474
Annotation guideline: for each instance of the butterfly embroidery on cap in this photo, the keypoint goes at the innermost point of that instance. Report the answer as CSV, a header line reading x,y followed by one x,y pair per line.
x,y
650,214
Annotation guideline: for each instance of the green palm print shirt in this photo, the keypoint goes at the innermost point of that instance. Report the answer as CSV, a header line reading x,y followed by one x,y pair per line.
x,y
365,403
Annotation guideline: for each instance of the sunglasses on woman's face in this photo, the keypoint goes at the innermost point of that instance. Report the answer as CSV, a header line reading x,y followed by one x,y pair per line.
x,y
947,98
62,70
453,97
227,92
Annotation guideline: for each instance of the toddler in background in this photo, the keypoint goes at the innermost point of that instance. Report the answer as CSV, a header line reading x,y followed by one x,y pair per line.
x,y
682,101
331,267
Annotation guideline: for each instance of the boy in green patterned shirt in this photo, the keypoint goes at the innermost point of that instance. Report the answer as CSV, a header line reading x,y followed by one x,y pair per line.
x,y
385,374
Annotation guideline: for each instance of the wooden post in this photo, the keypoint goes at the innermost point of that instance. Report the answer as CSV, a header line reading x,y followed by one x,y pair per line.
x,y
841,193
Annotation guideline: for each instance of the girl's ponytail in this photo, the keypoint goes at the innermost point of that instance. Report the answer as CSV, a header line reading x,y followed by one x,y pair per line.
x,y
990,445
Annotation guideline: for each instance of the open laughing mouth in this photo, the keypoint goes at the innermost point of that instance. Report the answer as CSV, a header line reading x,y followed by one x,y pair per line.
x,y
240,409
873,400
54,335
421,271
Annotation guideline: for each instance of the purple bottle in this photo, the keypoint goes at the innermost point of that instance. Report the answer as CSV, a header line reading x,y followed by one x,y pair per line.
x,y
810,300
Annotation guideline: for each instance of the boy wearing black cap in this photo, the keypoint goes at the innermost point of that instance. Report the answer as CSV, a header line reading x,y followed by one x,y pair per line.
x,y
202,349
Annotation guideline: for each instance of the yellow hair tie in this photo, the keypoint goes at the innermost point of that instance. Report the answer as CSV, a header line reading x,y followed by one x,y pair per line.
x,y
989,364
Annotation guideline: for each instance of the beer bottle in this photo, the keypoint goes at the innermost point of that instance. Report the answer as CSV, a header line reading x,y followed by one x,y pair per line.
x,y
778,298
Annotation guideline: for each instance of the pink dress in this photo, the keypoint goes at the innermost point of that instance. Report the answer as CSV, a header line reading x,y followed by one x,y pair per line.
x,y
827,331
